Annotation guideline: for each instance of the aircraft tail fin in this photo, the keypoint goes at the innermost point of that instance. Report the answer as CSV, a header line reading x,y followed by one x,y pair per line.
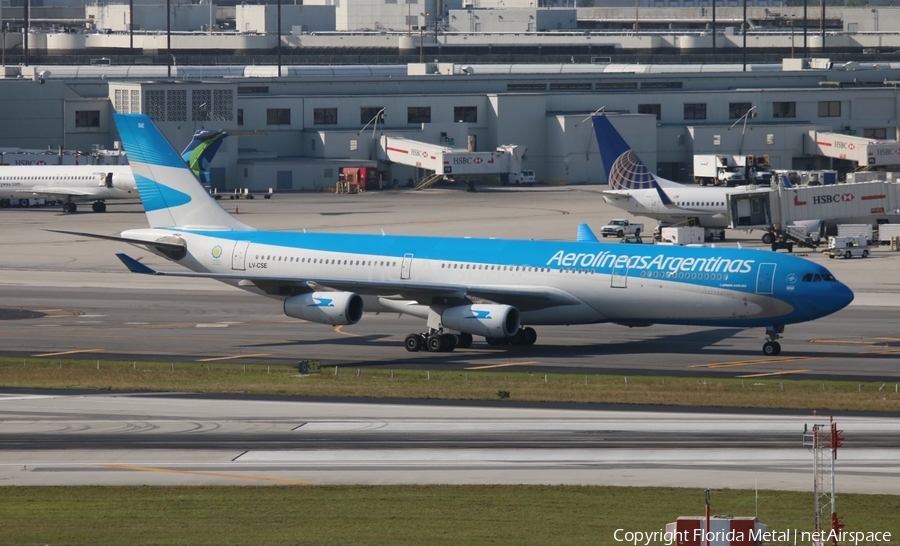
x,y
585,235
170,193
624,170
201,150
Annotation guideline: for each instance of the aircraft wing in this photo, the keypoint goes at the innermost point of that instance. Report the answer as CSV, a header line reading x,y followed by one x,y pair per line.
x,y
524,297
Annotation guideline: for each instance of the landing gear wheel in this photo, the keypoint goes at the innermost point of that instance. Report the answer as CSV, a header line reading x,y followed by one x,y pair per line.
x,y
99,206
529,336
768,238
493,340
464,341
437,344
414,343
450,342
771,348
69,207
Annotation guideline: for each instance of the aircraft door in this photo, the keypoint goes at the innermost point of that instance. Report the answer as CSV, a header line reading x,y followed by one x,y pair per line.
x,y
619,277
239,256
109,180
406,266
765,279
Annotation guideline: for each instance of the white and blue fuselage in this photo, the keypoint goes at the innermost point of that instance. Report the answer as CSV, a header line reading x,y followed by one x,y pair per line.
x,y
465,287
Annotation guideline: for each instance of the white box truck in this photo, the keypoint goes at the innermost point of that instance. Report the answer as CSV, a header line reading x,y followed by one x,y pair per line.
x,y
682,235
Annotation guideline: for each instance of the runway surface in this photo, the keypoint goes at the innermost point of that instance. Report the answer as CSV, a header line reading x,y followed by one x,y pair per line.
x,y
69,296
65,294
141,439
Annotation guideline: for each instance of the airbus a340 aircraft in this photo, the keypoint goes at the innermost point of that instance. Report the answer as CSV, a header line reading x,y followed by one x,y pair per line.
x,y
464,287
84,183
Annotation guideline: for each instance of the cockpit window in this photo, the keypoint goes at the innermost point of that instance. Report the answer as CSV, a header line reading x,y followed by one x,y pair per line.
x,y
815,277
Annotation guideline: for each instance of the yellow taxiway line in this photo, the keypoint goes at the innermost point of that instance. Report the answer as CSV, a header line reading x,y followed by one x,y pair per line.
x,y
213,474
339,330
235,357
489,366
751,362
72,352
783,372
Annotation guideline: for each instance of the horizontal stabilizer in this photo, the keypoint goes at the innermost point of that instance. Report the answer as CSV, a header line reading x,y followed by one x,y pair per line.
x,y
162,245
585,235
135,266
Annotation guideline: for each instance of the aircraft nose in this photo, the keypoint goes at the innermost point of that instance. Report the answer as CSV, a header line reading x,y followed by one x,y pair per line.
x,y
842,296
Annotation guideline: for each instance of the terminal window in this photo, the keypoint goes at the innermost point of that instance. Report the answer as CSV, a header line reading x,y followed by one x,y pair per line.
x,y
325,116
784,109
737,110
367,114
465,114
829,109
87,118
278,116
418,114
875,132
695,110
655,109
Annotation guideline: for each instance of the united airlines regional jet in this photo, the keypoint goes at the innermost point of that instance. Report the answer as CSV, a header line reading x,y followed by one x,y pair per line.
x,y
84,183
464,287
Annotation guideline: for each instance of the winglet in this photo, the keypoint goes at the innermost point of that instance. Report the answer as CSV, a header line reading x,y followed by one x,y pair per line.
x,y
585,235
135,266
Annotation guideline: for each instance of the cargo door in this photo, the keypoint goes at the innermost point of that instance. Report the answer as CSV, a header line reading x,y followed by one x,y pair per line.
x,y
406,266
239,256
765,279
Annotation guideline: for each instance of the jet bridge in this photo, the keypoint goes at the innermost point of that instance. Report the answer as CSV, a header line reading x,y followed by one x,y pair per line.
x,y
451,163
781,211
864,151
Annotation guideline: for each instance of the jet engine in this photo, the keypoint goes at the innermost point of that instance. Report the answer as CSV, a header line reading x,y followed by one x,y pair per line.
x,y
495,321
334,308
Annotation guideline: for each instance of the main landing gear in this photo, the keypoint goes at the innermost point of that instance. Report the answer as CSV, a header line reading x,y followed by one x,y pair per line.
x,y
98,206
69,207
771,347
436,341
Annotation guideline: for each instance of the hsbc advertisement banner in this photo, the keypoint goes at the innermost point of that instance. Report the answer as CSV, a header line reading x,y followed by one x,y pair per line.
x,y
884,154
840,201
476,163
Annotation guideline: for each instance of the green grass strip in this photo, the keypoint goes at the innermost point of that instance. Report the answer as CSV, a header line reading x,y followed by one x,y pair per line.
x,y
261,379
394,515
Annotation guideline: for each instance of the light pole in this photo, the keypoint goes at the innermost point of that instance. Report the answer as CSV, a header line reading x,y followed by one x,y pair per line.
x,y
422,36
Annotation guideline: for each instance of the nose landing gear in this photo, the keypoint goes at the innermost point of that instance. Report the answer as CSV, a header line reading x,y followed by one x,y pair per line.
x,y
771,347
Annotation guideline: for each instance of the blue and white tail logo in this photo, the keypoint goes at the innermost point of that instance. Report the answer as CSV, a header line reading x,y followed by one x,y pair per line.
x,y
171,194
624,169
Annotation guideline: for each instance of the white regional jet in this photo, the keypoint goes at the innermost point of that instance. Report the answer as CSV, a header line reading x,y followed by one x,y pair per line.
x,y
97,183
464,287
635,189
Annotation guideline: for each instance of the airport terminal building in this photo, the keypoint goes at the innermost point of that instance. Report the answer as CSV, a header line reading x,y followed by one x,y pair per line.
x,y
293,132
